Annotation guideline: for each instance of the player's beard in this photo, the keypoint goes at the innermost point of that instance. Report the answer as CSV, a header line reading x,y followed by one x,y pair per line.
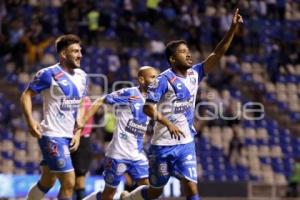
x,y
72,64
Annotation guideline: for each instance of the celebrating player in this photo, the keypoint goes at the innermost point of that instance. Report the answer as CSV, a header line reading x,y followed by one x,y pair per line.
x,y
172,150
62,87
125,151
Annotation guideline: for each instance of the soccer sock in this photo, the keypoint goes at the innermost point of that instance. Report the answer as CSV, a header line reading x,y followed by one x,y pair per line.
x,y
195,197
99,196
144,193
80,193
37,192
137,194
60,198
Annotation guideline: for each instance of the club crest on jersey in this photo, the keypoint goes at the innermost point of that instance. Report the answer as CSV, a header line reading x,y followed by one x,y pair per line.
x,y
61,163
121,168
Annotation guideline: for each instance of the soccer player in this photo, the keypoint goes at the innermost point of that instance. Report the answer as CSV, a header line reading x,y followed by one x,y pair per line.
x,y
125,152
172,150
82,158
62,87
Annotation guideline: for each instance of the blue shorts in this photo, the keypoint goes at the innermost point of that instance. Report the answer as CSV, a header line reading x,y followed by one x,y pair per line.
x,y
56,153
115,169
165,161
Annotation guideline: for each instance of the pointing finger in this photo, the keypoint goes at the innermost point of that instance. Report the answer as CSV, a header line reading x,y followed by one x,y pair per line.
x,y
236,11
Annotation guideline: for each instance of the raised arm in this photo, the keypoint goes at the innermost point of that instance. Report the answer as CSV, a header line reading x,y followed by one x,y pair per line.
x,y
150,110
86,115
26,104
222,47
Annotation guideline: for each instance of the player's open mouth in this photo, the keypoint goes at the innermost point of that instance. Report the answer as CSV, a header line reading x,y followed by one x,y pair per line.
x,y
189,61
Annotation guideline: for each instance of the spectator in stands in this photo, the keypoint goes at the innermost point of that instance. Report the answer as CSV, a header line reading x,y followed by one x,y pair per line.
x,y
294,180
235,149
93,18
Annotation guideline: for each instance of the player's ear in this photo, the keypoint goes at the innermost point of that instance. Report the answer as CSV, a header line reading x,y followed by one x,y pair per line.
x,y
171,58
63,54
141,80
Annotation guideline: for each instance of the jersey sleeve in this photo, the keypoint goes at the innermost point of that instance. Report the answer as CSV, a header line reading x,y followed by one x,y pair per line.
x,y
199,68
41,81
117,97
157,89
86,85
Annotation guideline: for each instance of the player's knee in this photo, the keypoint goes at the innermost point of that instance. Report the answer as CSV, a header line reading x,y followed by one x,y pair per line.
x,y
47,182
143,182
190,188
68,183
108,193
154,193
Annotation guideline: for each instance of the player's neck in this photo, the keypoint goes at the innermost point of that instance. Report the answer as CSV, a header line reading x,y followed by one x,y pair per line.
x,y
66,68
180,72
143,90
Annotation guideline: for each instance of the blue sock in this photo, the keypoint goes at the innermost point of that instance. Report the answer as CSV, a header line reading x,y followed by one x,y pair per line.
x,y
144,193
43,189
195,197
80,193
98,196
60,198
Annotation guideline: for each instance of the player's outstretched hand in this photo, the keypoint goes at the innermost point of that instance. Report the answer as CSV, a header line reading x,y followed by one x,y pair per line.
x,y
35,129
237,18
175,131
75,141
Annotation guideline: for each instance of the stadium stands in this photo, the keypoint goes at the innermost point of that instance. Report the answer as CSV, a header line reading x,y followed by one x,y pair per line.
x,y
262,66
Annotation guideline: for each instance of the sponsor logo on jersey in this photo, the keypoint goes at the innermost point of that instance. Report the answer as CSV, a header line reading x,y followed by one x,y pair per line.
x,y
138,129
67,104
181,106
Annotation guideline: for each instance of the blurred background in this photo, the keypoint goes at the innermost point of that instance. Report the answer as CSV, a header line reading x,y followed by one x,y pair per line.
x,y
240,155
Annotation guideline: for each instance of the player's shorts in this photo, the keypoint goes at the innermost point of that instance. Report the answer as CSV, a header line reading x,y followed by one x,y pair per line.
x,y
165,161
56,153
115,169
82,157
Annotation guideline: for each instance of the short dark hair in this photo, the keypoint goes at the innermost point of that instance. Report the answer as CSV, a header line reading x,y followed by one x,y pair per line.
x,y
171,48
65,41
